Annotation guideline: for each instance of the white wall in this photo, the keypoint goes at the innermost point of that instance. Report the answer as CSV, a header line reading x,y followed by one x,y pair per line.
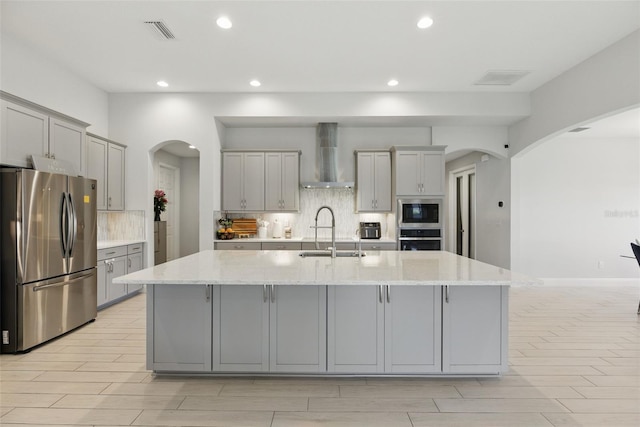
x,y
604,84
493,223
576,203
28,75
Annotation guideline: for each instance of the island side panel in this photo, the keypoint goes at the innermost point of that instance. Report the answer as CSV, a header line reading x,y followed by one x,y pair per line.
x,y
475,330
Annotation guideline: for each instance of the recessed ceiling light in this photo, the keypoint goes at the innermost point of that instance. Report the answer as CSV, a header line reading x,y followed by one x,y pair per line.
x,y
255,83
425,22
224,22
162,83
193,147
392,82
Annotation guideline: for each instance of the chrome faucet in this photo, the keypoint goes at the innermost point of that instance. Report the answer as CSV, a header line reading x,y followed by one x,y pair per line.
x,y
333,230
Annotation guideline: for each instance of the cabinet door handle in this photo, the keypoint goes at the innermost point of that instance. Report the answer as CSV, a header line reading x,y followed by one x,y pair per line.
x,y
446,293
129,262
388,293
273,293
264,293
207,293
380,293
53,156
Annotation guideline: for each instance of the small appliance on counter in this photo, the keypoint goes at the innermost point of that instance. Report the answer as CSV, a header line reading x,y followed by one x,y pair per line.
x,y
277,229
370,230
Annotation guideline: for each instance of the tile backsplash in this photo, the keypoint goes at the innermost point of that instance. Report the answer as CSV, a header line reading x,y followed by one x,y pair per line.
x,y
340,200
121,225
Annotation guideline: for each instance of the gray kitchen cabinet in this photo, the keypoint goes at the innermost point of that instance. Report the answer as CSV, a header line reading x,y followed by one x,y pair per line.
x,y
105,164
115,262
375,245
340,246
474,329
241,329
116,267
173,310
277,329
298,329
67,142
384,329
29,129
135,262
355,329
282,181
412,339
373,181
24,132
281,246
243,181
419,172
238,245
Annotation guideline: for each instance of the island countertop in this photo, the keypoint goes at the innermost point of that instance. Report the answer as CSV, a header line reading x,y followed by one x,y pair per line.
x,y
222,267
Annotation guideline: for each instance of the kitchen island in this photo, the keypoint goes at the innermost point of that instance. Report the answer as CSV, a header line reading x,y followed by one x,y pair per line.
x,y
274,312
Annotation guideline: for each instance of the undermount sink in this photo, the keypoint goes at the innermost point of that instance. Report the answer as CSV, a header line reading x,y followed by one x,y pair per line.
x,y
327,253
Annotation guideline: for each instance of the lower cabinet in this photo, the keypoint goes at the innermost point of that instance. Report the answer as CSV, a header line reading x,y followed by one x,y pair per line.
x,y
115,262
354,329
384,329
179,328
475,329
135,262
269,328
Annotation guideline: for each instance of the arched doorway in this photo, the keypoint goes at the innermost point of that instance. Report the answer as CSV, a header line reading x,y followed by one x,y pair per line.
x,y
176,171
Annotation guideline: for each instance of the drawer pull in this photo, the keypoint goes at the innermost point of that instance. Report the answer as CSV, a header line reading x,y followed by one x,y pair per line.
x,y
111,253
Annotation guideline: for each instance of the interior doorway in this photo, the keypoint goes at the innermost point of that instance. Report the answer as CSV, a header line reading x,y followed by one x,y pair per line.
x,y
462,211
176,170
168,179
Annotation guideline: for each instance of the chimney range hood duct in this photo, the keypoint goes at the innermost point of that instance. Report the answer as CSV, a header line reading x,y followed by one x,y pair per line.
x,y
327,158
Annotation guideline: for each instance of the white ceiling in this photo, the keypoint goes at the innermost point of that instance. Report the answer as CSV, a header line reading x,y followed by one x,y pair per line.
x,y
317,46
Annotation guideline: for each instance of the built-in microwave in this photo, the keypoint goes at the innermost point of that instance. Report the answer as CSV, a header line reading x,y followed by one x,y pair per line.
x,y
420,213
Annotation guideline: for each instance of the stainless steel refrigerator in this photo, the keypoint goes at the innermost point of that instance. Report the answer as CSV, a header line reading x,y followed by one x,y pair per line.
x,y
48,239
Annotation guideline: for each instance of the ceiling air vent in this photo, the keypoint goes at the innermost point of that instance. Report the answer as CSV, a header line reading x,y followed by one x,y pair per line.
x,y
159,28
501,78
579,129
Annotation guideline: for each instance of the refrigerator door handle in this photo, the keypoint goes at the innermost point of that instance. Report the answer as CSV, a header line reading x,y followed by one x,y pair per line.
x,y
64,283
64,224
73,226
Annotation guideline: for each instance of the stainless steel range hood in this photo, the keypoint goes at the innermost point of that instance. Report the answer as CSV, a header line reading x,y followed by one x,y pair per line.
x,y
327,159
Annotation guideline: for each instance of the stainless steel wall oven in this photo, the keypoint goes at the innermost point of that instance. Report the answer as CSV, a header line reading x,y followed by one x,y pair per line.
x,y
420,224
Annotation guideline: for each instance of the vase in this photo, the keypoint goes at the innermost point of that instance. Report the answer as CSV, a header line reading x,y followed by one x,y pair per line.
x,y
157,217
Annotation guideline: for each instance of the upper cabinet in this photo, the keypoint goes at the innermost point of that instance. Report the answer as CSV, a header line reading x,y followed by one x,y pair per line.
x,y
419,171
105,164
282,181
373,181
243,181
29,129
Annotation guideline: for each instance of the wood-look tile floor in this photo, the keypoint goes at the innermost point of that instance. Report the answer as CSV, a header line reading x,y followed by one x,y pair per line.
x,y
574,355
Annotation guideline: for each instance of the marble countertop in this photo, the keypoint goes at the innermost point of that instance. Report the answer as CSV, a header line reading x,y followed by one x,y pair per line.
x,y
306,239
224,267
106,244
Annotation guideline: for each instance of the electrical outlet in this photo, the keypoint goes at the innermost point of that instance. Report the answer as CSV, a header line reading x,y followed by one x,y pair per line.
x,y
600,264
5,337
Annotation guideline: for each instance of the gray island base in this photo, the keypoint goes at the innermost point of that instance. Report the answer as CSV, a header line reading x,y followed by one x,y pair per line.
x,y
390,313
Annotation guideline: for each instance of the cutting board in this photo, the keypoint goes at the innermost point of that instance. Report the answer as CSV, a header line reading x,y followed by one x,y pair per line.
x,y
244,226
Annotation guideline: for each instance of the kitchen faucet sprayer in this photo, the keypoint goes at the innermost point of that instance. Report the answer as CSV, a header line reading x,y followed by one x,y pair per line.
x,y
333,230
